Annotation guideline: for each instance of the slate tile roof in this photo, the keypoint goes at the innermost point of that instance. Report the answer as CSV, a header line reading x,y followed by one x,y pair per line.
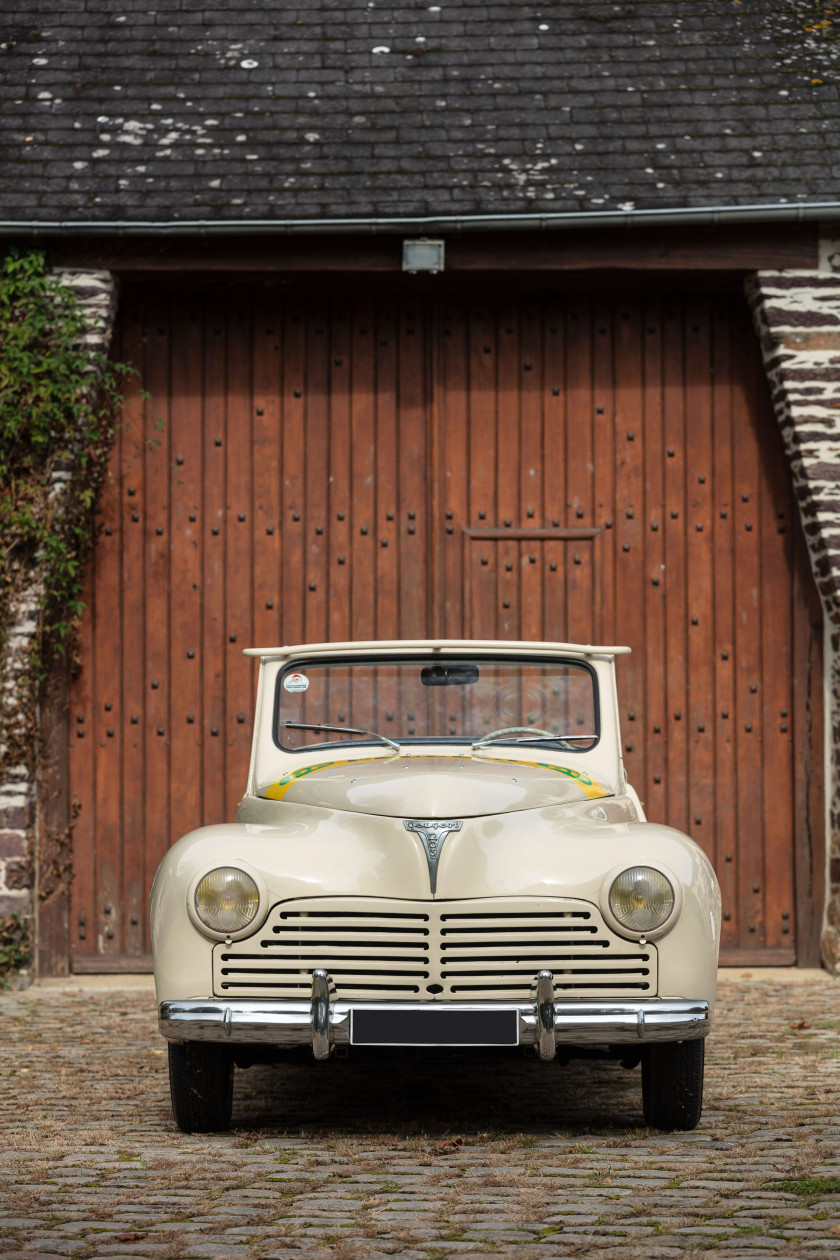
x,y
352,108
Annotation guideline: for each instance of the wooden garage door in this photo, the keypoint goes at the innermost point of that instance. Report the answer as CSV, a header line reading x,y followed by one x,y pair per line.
x,y
318,467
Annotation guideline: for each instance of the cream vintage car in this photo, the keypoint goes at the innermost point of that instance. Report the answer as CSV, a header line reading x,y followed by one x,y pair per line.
x,y
437,847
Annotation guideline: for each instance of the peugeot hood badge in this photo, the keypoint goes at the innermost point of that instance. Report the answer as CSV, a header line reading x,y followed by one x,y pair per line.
x,y
432,832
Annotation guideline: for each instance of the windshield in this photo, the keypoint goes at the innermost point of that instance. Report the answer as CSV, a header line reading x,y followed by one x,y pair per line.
x,y
495,700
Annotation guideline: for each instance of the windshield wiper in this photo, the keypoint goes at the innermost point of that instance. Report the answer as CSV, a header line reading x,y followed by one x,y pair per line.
x,y
563,740
342,730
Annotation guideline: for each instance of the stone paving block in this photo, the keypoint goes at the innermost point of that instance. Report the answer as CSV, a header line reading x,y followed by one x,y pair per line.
x,y
143,1248
28,1255
212,1250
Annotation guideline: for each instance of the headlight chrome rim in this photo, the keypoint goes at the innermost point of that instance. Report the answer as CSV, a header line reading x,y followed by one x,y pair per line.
x,y
621,925
255,905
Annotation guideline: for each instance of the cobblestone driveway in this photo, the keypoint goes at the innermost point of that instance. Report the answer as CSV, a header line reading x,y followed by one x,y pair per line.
x,y
363,1158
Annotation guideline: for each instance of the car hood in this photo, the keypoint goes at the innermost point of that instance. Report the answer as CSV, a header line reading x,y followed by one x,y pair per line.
x,y
433,786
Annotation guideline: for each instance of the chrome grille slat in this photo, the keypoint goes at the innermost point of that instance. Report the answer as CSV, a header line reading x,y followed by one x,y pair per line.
x,y
492,947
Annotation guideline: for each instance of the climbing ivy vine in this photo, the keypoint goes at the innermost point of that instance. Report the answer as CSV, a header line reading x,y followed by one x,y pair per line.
x,y
58,400
59,396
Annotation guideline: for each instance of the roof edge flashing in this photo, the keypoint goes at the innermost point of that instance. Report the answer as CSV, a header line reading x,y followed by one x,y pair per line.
x,y
780,212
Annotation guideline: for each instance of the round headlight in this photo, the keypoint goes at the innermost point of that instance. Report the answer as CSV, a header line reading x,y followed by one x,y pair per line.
x,y
226,899
641,898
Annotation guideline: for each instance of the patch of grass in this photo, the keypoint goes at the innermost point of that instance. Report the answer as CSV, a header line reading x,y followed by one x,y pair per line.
x,y
807,1185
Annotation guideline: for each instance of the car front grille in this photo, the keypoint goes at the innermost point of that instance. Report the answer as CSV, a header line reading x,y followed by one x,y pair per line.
x,y
377,948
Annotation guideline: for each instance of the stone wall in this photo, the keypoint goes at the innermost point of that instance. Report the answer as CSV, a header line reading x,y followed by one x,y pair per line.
x,y
18,724
797,316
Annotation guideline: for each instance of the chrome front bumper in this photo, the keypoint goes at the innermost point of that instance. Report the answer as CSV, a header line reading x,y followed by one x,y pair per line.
x,y
323,1022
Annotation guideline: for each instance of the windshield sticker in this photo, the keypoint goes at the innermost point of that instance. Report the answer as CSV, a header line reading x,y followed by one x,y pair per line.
x,y
296,682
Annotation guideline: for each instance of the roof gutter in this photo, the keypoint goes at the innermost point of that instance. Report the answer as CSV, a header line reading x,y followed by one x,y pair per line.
x,y
706,215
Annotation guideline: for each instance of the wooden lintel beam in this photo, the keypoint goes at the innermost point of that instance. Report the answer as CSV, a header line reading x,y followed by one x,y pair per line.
x,y
738,248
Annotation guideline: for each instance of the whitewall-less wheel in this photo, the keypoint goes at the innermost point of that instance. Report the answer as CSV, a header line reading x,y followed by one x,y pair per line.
x,y
672,1084
201,1085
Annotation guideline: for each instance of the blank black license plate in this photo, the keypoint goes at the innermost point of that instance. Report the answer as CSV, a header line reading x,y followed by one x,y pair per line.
x,y
434,1028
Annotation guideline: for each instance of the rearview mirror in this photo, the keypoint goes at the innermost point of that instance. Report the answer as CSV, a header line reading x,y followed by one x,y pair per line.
x,y
445,675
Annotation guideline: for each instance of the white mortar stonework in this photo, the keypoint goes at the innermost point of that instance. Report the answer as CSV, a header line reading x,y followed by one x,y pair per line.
x,y
797,316
95,292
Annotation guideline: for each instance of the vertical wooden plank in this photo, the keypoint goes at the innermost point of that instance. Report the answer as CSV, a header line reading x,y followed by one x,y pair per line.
x,y
484,601
107,628
267,515
336,524
607,498
506,571
554,469
185,565
554,591
675,574
156,522
214,440
510,556
436,489
579,463
700,574
553,456
481,558
653,791
482,417
318,383
376,501
293,575
412,511
338,476
452,388
379,505
628,535
137,877
726,739
335,527
238,558
531,468
529,621
748,661
531,394
776,673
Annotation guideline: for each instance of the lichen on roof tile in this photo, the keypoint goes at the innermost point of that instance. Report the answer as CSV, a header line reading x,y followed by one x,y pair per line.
x,y
339,109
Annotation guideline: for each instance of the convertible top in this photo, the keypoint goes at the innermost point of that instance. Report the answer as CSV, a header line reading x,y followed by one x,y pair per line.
x,y
433,645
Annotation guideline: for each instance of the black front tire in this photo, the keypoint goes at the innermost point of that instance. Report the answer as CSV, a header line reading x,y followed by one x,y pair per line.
x,y
672,1084
201,1086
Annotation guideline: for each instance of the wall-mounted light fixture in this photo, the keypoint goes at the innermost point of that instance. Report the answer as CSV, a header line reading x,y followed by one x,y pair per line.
x,y
423,255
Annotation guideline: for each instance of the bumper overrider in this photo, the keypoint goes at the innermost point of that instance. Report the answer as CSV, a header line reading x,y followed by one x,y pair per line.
x,y
323,1022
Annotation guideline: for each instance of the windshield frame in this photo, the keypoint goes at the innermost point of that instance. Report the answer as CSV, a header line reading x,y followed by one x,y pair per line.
x,y
301,663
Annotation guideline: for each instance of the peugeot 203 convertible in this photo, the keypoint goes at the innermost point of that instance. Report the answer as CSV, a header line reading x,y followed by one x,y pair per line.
x,y
437,847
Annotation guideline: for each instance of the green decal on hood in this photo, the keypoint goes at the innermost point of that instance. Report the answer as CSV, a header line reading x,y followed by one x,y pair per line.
x,y
591,789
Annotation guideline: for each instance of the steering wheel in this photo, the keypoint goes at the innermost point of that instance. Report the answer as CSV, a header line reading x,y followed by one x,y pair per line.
x,y
514,730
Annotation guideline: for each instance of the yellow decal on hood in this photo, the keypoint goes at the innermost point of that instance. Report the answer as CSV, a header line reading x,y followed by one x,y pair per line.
x,y
592,790
586,784
279,789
